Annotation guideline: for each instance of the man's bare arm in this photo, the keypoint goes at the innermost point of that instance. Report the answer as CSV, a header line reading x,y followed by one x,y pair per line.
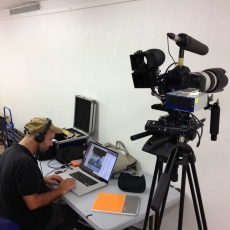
x,y
35,201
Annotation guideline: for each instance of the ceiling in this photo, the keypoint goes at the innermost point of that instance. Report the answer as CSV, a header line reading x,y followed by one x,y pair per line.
x,y
9,4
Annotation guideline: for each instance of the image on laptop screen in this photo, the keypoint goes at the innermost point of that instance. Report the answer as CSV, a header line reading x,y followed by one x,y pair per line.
x,y
99,161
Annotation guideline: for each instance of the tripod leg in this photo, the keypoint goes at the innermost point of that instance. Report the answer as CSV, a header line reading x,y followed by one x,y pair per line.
x,y
183,181
194,198
151,193
195,178
163,206
156,224
151,223
158,217
160,170
160,196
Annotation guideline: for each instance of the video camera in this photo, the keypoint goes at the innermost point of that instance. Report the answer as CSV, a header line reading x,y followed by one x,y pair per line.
x,y
180,91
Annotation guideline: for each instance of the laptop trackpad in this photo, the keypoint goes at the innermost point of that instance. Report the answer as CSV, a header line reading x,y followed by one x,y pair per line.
x,y
81,189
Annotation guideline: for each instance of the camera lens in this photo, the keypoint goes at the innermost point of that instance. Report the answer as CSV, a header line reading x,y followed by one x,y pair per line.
x,y
217,80
210,80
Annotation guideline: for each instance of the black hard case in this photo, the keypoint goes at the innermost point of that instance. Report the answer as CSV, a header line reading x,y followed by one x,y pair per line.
x,y
83,124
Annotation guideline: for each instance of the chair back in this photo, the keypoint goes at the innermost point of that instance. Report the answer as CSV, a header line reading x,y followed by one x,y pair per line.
x,y
8,224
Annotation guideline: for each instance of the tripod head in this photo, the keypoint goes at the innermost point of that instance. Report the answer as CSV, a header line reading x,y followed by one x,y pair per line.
x,y
170,132
162,146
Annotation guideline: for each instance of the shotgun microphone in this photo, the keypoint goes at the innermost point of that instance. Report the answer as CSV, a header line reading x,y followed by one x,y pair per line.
x,y
188,43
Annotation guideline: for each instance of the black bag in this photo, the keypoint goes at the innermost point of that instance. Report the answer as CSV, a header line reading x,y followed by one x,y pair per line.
x,y
131,183
67,154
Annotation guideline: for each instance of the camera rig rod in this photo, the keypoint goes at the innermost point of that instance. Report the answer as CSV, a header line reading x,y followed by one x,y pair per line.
x,y
140,135
181,57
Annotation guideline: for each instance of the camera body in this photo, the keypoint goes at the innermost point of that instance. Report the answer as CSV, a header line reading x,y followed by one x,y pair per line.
x,y
178,88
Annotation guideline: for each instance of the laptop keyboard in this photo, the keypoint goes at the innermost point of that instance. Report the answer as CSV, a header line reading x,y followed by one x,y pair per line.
x,y
83,178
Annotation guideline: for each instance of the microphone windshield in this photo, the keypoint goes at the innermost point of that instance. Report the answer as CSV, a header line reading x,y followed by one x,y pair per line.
x,y
192,45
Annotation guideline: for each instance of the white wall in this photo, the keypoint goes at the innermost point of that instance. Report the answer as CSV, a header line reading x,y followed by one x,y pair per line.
x,y
45,60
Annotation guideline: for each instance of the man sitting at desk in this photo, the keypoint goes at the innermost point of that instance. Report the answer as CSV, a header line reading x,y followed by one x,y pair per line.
x,y
24,196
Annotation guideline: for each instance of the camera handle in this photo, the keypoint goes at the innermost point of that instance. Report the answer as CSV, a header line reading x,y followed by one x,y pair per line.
x,y
214,119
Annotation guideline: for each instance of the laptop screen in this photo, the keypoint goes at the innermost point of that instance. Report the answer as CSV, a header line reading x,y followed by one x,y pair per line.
x,y
99,161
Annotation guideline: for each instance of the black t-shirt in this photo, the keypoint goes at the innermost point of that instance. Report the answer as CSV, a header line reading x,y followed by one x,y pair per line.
x,y
21,176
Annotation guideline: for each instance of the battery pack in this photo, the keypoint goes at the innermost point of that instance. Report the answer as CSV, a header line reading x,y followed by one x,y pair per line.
x,y
76,163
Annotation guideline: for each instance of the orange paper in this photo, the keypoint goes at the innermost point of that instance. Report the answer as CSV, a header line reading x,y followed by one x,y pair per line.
x,y
109,202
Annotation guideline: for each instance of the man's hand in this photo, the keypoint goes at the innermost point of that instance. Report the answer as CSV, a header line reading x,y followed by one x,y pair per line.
x,y
53,179
66,185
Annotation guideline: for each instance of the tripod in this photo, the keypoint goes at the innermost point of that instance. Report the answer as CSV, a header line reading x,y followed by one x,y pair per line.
x,y
173,155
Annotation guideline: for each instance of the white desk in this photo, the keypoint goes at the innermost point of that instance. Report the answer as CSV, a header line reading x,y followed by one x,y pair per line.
x,y
107,221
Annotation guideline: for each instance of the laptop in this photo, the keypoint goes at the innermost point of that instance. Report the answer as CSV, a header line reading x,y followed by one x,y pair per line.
x,y
95,170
